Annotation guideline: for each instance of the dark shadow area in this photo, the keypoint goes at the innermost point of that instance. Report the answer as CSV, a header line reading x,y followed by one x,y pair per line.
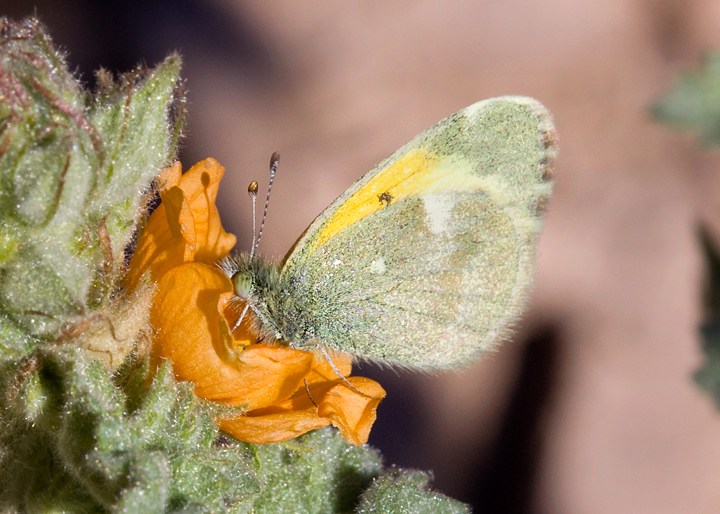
x,y
398,430
504,475
504,482
120,34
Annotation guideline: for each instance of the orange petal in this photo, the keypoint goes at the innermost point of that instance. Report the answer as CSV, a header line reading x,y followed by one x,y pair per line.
x,y
284,420
186,225
169,177
193,334
351,412
273,427
186,322
200,185
160,248
269,374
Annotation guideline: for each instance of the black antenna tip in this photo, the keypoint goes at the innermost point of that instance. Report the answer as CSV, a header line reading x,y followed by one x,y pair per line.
x,y
253,188
273,168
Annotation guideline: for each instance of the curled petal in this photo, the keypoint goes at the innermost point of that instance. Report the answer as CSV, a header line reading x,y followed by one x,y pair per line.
x,y
186,225
353,412
200,185
350,411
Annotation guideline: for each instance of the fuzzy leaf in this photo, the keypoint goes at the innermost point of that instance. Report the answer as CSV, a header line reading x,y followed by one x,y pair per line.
x,y
405,492
316,473
150,485
133,122
72,174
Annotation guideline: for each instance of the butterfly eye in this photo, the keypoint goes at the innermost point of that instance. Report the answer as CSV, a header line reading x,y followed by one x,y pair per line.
x,y
243,283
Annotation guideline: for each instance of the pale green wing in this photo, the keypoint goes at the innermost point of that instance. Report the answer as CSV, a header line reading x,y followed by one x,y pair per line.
x,y
427,260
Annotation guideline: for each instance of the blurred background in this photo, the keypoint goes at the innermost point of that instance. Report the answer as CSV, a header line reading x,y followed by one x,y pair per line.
x,y
591,408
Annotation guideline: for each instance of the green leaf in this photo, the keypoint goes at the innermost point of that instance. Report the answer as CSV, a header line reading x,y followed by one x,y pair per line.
x,y
405,492
73,171
134,124
708,375
316,473
693,102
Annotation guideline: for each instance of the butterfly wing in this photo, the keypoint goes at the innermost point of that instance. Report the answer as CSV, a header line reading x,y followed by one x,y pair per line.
x,y
428,259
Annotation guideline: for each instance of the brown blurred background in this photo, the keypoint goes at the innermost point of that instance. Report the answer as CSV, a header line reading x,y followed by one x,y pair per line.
x,y
592,408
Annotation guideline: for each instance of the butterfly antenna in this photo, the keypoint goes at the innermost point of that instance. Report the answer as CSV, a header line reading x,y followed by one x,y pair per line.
x,y
253,191
273,168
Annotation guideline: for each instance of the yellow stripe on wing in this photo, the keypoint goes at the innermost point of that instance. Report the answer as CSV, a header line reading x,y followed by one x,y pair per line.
x,y
416,173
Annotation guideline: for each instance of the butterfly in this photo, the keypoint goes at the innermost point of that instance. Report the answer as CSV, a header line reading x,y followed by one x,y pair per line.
x,y
427,260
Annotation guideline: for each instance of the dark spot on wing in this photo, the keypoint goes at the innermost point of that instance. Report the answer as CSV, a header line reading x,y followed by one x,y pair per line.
x,y
385,198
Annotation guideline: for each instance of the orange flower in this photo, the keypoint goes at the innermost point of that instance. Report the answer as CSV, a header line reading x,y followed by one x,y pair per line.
x,y
285,392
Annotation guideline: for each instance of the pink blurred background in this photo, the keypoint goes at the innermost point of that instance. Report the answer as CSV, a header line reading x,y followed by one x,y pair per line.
x,y
591,408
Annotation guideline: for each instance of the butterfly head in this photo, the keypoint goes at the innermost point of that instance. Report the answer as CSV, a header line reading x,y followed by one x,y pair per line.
x,y
255,281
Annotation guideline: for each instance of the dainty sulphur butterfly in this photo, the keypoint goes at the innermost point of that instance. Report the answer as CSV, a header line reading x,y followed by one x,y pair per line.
x,y
427,260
